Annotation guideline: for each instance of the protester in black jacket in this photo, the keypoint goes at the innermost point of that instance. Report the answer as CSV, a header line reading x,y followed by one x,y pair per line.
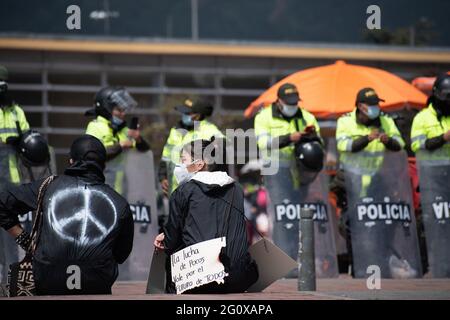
x,y
86,225
197,213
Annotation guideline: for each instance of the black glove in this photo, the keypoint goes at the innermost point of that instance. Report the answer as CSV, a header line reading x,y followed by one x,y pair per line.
x,y
13,141
310,137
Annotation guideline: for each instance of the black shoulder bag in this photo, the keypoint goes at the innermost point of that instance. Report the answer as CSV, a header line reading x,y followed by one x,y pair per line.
x,y
20,276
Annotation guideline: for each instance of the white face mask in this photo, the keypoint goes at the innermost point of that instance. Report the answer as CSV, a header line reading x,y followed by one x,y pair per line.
x,y
182,174
187,120
116,121
373,112
288,110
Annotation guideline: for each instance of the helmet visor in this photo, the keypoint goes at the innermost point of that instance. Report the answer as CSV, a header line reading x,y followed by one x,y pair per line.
x,y
123,100
443,95
3,86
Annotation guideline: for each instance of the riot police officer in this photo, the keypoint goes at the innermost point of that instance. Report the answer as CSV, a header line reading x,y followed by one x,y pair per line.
x,y
193,125
110,108
430,136
288,137
379,220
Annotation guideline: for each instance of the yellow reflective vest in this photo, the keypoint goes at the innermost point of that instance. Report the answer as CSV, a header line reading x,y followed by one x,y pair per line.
x,y
371,157
426,125
348,129
101,129
178,137
270,124
9,118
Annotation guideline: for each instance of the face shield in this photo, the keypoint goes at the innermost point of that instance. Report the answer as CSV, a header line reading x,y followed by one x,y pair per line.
x,y
443,95
442,101
3,93
123,100
3,86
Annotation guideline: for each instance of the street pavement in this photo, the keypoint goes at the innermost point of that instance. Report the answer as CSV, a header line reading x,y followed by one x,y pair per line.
x,y
342,288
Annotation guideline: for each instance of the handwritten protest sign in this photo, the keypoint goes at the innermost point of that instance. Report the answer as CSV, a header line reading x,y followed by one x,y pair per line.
x,y
198,265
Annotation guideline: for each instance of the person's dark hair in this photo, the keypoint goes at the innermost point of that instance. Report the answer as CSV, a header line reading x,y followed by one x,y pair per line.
x,y
208,151
88,148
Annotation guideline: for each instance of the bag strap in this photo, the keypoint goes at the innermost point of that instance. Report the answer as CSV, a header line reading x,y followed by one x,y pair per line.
x,y
243,215
38,219
227,215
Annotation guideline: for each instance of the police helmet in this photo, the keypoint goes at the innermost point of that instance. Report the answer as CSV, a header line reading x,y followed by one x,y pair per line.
x,y
311,155
110,97
441,87
33,148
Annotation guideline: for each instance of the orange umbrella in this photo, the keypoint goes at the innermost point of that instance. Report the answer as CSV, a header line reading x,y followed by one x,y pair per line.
x,y
424,84
330,91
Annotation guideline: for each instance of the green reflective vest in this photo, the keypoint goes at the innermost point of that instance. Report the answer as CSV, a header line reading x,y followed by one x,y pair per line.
x,y
178,137
268,127
372,156
348,129
101,128
426,125
9,118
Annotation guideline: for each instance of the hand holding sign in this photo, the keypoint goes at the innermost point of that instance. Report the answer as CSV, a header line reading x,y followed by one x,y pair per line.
x,y
198,265
158,243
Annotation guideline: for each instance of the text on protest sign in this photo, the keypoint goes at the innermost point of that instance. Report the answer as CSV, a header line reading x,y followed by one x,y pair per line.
x,y
198,265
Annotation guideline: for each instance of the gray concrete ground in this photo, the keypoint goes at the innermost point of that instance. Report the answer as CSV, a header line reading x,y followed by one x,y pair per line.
x,y
343,288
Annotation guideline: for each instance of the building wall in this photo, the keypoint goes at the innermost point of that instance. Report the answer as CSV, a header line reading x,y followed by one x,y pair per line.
x,y
56,88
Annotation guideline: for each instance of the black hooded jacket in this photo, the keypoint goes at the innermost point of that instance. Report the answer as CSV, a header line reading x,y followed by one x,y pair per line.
x,y
197,213
85,224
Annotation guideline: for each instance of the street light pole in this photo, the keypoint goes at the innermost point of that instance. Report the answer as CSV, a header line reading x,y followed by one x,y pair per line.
x,y
105,15
106,22
194,19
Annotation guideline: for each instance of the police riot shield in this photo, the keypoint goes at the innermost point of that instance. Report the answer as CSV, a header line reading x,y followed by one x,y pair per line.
x,y
434,177
286,198
8,159
32,173
132,175
381,214
315,197
171,177
9,252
